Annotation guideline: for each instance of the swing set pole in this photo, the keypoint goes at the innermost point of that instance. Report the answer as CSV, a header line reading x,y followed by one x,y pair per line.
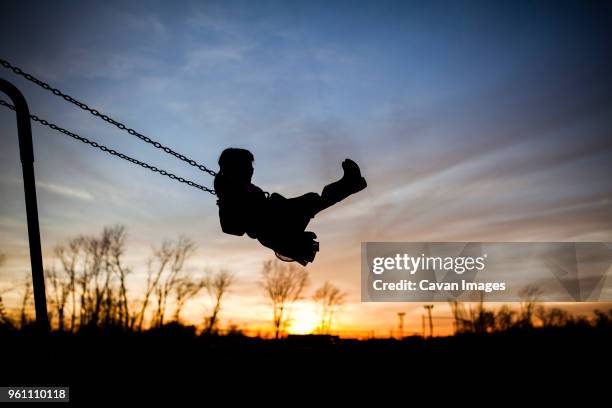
x,y
26,153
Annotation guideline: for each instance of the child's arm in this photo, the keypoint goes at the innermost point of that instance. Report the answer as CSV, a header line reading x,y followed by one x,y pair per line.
x,y
238,211
230,217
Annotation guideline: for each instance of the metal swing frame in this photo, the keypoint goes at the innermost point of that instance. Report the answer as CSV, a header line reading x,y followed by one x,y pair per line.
x,y
26,153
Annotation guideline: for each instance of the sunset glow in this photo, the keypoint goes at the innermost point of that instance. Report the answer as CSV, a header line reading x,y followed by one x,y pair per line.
x,y
304,320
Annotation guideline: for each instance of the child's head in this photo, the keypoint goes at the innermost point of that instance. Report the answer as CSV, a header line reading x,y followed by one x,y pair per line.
x,y
236,164
235,168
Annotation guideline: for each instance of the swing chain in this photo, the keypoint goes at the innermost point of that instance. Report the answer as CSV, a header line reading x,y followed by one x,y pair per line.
x,y
104,117
111,151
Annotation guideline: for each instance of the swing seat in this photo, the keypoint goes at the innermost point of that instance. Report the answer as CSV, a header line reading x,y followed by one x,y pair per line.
x,y
301,249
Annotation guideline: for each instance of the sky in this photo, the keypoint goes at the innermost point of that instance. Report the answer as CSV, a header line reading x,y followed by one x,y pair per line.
x,y
472,121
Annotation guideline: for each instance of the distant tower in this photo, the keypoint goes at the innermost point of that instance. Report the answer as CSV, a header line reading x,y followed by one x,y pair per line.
x,y
428,308
401,315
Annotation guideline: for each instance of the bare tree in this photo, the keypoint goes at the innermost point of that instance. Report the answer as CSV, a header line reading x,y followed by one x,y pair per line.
x,y
186,289
155,268
504,319
4,319
101,276
171,259
60,289
553,317
483,320
329,298
529,296
462,322
283,285
98,277
117,237
93,272
68,256
26,302
217,285
602,319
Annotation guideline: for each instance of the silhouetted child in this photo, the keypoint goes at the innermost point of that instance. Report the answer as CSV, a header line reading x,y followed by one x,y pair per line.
x,y
277,222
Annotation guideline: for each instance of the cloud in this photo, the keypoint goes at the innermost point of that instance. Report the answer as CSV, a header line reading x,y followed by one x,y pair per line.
x,y
65,191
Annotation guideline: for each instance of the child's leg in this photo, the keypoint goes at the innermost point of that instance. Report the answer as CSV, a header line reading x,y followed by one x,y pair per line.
x,y
350,183
306,206
311,204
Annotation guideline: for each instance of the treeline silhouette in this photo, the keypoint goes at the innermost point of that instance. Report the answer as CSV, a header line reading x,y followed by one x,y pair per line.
x,y
530,314
87,289
87,286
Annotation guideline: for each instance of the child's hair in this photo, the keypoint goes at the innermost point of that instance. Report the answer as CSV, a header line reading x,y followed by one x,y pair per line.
x,y
235,167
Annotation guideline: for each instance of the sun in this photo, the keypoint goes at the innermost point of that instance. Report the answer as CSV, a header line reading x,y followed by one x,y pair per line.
x,y
304,320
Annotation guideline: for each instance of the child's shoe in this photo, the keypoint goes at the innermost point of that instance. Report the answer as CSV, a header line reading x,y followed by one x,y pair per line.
x,y
352,178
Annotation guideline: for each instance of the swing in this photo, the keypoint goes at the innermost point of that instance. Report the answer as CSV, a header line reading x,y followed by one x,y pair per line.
x,y
277,222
